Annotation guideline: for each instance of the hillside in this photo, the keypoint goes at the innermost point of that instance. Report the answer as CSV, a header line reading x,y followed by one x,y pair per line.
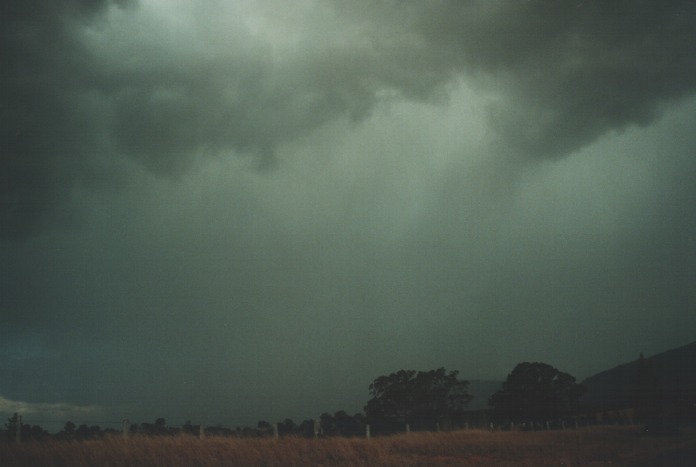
x,y
675,370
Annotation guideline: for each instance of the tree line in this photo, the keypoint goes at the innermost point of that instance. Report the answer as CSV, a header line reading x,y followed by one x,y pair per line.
x,y
338,424
533,393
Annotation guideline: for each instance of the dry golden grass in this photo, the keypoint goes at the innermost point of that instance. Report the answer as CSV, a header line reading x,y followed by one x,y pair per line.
x,y
586,446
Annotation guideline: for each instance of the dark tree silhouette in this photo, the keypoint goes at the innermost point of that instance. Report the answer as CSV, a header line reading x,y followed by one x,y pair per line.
x,y
287,427
160,426
421,399
306,428
536,392
35,432
342,424
327,424
27,432
189,428
347,425
264,428
68,431
13,423
69,428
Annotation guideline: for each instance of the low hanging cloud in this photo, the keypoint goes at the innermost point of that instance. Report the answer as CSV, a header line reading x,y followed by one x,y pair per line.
x,y
88,86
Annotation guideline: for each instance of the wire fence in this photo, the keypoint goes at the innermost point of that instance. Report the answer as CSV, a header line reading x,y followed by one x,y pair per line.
x,y
26,428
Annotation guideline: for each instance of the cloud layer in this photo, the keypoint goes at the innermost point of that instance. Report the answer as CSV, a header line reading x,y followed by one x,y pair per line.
x,y
88,83
256,208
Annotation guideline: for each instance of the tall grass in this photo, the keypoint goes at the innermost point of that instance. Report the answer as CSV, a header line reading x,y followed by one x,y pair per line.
x,y
599,446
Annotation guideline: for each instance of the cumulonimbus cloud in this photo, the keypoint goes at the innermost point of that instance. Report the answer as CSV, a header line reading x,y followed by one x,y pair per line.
x,y
86,84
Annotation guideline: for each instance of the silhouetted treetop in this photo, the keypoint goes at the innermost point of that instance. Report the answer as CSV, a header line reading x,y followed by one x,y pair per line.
x,y
420,398
536,391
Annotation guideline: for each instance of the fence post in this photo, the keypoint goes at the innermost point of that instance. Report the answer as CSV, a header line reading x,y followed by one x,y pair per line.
x,y
408,429
316,427
367,431
124,428
275,430
201,432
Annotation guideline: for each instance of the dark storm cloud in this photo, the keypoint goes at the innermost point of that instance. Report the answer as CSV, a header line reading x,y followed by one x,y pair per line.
x,y
47,131
569,70
83,82
424,209
71,101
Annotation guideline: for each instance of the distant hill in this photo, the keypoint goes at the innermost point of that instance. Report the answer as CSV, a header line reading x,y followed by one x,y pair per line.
x,y
675,370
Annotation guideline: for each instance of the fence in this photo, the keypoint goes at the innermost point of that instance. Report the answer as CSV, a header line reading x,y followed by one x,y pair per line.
x,y
20,431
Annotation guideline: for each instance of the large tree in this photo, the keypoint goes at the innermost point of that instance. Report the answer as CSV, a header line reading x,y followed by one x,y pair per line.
x,y
419,398
536,392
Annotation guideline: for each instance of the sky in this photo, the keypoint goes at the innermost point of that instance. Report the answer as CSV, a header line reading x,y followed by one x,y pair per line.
x,y
232,211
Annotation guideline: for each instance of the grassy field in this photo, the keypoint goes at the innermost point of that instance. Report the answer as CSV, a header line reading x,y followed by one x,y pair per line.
x,y
585,446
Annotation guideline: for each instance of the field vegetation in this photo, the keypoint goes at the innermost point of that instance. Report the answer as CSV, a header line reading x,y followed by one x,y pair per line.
x,y
604,445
